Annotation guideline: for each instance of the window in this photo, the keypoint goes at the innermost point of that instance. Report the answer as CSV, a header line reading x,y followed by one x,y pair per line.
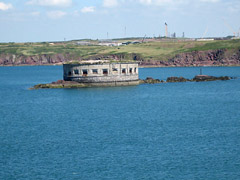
x,y
69,73
114,69
105,71
95,71
130,70
76,71
135,69
124,71
85,72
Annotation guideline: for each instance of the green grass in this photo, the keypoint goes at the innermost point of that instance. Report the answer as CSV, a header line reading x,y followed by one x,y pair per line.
x,y
166,50
159,50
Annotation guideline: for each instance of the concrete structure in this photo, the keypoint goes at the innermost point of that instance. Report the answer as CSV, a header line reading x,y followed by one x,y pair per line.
x,y
102,73
205,39
84,43
166,30
110,44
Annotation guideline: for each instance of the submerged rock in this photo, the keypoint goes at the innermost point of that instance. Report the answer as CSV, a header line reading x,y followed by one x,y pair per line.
x,y
177,79
150,80
74,84
199,78
59,84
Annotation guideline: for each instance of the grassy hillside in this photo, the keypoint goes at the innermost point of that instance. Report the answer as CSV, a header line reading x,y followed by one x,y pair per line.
x,y
158,50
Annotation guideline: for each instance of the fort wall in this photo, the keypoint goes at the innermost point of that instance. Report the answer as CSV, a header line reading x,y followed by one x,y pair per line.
x,y
107,73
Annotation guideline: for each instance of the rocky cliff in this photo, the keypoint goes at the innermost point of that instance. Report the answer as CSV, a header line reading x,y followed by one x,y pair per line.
x,y
219,57
200,58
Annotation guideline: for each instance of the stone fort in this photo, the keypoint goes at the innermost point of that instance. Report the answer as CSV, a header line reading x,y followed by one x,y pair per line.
x,y
102,72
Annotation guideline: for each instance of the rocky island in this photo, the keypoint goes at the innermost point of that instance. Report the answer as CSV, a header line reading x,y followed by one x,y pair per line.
x,y
148,80
96,73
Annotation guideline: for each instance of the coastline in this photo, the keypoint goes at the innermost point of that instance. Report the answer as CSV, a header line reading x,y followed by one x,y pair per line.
x,y
216,53
140,66
155,66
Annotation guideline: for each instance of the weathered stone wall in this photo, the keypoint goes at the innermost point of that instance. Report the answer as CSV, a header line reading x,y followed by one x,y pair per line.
x,y
96,73
97,79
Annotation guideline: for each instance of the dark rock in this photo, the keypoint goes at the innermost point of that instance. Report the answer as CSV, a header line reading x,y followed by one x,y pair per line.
x,y
59,84
150,80
176,79
220,57
199,78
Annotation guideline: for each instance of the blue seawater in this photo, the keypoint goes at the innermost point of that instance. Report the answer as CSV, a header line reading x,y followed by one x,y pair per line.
x,y
172,131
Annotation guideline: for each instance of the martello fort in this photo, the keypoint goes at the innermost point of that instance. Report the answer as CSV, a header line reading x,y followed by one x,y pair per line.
x,y
102,72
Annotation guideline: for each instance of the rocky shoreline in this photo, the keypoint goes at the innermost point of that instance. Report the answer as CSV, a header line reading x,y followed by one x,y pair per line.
x,y
149,80
198,78
220,57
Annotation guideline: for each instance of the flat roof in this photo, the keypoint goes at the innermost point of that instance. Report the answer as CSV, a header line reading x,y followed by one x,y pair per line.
x,y
89,62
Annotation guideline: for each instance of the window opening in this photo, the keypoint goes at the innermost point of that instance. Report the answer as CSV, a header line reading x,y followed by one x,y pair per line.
x,y
95,71
85,72
69,73
124,71
105,71
135,70
115,69
130,70
76,71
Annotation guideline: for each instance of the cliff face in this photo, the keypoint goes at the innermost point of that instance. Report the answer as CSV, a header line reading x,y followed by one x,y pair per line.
x,y
196,58
201,58
11,59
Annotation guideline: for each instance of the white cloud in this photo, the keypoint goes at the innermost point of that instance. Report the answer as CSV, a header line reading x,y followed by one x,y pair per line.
x,y
114,3
164,2
233,7
75,13
36,13
56,14
88,9
145,1
110,3
161,2
210,1
172,2
59,3
4,6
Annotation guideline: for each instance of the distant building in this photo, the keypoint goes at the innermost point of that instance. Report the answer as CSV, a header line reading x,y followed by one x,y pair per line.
x,y
236,37
83,43
109,44
102,72
206,39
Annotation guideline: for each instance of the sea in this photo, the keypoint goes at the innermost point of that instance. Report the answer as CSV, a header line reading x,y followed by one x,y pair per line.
x,y
169,131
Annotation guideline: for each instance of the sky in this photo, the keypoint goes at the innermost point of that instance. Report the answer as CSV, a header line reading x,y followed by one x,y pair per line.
x,y
58,20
